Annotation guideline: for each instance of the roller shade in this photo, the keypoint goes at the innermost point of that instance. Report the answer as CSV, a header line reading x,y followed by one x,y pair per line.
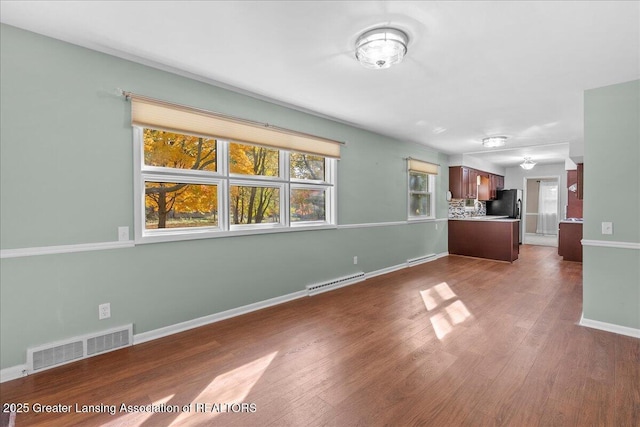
x,y
152,113
424,167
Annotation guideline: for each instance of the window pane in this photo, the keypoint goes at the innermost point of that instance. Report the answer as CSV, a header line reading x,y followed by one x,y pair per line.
x,y
417,181
254,205
306,166
420,204
307,205
171,205
174,150
253,160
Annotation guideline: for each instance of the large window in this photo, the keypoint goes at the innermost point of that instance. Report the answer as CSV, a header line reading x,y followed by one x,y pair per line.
x,y
195,186
421,185
201,174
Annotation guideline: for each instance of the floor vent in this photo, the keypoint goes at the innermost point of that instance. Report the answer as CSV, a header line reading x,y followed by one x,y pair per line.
x,y
415,261
77,348
335,283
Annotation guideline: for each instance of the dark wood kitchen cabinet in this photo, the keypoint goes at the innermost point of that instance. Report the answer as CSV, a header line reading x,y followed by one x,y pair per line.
x,y
463,182
472,184
484,188
580,184
496,183
489,186
492,239
569,241
574,205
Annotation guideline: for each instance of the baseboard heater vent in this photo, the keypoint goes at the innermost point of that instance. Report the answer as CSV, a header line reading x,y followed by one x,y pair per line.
x,y
335,283
420,260
59,353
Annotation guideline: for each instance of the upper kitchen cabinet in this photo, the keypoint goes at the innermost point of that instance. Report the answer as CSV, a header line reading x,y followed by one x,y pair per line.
x,y
574,204
484,186
472,185
580,184
463,182
490,184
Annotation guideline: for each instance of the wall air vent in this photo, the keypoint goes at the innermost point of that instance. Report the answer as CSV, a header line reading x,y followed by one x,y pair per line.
x,y
57,355
335,283
420,260
107,342
77,348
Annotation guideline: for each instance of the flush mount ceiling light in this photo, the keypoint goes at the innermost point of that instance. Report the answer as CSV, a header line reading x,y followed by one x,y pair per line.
x,y
527,164
381,48
494,141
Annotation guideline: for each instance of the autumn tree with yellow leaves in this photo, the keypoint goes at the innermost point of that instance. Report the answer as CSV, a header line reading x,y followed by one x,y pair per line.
x,y
174,150
197,204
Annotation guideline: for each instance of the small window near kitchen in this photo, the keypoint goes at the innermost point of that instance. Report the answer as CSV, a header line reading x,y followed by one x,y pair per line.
x,y
421,184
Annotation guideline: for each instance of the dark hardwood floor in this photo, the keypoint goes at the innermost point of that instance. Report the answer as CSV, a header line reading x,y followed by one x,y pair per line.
x,y
458,341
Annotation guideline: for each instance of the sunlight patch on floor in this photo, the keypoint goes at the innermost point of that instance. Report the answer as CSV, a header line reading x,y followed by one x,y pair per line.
x,y
138,418
446,314
432,297
231,387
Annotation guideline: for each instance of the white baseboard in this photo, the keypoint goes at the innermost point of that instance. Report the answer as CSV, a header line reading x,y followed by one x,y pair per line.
x,y
403,265
386,270
609,327
212,318
13,373
19,371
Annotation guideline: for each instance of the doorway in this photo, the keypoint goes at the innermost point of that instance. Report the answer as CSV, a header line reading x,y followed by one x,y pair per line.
x,y
541,211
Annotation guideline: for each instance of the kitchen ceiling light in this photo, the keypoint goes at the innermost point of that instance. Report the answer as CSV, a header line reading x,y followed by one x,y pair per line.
x,y
381,48
494,141
527,164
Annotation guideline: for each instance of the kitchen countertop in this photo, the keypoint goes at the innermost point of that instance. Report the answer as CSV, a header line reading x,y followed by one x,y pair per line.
x,y
572,221
493,218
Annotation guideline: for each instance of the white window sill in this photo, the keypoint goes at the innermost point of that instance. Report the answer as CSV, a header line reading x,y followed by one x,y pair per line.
x,y
422,219
209,234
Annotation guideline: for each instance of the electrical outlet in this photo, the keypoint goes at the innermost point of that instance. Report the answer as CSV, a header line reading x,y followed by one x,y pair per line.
x,y
607,228
436,225
123,233
104,311
355,260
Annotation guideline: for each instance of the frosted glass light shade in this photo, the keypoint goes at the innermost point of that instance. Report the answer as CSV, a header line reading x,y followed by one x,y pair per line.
x,y
381,48
494,141
528,164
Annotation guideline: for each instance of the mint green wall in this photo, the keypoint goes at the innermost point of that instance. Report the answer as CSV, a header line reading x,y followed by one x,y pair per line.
x,y
66,177
612,194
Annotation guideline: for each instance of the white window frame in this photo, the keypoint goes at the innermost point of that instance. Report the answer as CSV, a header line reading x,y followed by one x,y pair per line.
x,y
224,180
431,190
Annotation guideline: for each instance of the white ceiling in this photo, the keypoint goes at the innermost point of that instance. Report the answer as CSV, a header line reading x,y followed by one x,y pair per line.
x,y
473,69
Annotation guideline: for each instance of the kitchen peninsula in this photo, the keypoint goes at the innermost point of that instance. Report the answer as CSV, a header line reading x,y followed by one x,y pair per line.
x,y
484,237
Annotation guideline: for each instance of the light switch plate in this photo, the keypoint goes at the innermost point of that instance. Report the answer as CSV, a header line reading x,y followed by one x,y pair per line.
x,y
607,228
123,233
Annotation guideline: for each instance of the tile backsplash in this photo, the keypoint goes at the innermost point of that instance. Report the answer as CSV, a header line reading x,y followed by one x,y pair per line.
x,y
458,210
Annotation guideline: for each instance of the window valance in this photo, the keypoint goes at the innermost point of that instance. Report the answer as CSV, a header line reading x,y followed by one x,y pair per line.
x,y
152,113
422,166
